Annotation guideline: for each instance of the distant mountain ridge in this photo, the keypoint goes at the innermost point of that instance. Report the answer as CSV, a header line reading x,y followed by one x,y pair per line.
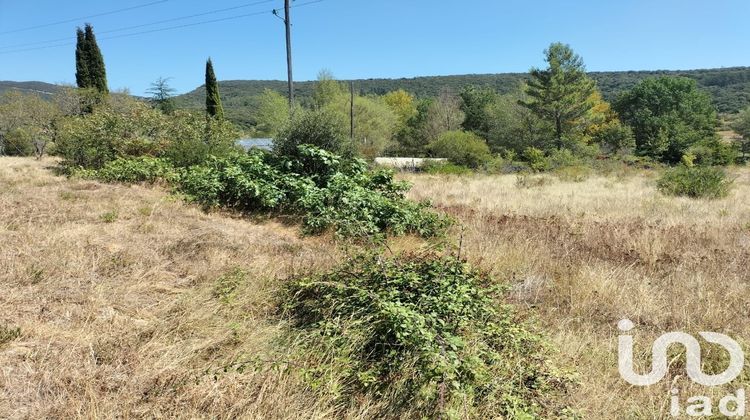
x,y
40,88
729,87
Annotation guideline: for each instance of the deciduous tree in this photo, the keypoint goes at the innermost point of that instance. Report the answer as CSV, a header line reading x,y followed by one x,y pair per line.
x,y
668,115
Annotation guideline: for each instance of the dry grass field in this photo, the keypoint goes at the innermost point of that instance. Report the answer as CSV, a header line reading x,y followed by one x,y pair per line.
x,y
583,256
130,303
122,309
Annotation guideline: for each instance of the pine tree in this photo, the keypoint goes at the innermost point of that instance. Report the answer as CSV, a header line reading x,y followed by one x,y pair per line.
x,y
97,72
82,71
213,100
560,93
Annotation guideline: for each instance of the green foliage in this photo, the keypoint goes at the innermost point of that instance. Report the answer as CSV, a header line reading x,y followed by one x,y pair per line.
x,y
273,113
476,104
403,104
195,137
742,127
326,191
695,182
8,334
425,333
226,285
513,127
536,159
328,90
161,95
321,128
134,129
90,70
712,152
561,93
90,141
729,88
213,99
374,126
461,148
27,123
17,143
109,217
82,71
616,139
412,138
668,115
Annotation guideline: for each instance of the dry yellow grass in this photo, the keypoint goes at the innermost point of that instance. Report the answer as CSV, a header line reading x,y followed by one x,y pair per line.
x,y
122,312
584,255
113,288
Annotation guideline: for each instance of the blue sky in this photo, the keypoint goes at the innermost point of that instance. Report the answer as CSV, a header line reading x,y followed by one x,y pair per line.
x,y
370,38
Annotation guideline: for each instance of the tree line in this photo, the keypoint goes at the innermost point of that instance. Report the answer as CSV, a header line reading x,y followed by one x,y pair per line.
x,y
559,114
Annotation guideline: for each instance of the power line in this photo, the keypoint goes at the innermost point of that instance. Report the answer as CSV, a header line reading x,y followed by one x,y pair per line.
x,y
45,25
159,22
160,29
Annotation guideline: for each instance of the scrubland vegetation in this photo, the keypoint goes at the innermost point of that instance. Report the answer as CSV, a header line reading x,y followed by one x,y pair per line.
x,y
154,269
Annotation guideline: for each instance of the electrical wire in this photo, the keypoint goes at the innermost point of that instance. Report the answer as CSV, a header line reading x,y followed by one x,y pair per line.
x,y
158,22
112,12
187,25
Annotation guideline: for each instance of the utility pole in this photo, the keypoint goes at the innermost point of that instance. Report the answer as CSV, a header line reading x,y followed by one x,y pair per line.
x,y
288,22
351,109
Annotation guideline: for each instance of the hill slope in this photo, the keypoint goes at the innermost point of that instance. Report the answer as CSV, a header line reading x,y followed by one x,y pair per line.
x,y
729,87
42,88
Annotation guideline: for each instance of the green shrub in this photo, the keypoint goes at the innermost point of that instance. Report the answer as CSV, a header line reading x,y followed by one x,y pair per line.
x,y
193,137
426,335
616,139
536,159
142,169
712,152
561,158
17,143
8,334
696,182
461,148
326,191
322,129
91,141
109,217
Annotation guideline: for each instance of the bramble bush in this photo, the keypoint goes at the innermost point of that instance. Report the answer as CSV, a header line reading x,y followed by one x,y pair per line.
x,y
695,182
134,170
461,148
326,191
426,335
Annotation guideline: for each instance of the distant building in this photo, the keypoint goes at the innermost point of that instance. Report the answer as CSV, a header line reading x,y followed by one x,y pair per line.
x,y
247,144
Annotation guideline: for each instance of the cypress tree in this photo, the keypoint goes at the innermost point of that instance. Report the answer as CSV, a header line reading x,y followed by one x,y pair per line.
x,y
97,72
82,71
213,100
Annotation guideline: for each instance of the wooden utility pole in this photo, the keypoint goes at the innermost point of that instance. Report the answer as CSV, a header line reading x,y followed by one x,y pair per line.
x,y
288,22
351,109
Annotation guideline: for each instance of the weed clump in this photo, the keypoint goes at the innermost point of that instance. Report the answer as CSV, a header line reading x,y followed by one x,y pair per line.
x,y
695,182
8,334
426,335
